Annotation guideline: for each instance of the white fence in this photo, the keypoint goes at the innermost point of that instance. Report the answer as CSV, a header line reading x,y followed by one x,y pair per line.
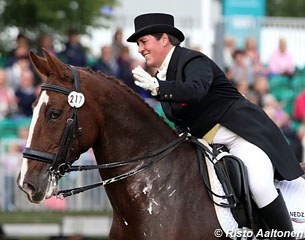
x,y
88,226
13,199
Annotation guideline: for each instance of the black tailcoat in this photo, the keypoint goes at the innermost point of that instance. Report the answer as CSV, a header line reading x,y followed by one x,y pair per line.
x,y
197,95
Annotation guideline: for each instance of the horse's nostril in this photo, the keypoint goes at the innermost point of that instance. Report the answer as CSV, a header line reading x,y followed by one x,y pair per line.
x,y
28,188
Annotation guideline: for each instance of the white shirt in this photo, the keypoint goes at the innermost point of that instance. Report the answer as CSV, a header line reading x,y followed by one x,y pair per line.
x,y
162,70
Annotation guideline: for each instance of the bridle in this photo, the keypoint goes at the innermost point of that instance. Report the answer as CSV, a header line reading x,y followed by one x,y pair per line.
x,y
57,161
59,167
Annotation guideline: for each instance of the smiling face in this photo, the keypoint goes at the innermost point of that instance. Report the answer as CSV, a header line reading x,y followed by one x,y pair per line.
x,y
153,50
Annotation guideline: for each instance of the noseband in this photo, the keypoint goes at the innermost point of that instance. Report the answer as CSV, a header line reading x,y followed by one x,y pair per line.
x,y
58,160
59,166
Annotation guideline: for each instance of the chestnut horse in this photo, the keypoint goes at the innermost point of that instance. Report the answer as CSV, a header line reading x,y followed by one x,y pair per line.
x,y
164,200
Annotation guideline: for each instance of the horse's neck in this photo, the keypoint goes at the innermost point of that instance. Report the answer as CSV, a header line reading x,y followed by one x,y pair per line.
x,y
130,128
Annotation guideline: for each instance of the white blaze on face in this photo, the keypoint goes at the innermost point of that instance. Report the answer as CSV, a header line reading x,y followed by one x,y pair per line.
x,y
43,99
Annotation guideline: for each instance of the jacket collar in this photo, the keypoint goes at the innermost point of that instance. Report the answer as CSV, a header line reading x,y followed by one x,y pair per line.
x,y
172,67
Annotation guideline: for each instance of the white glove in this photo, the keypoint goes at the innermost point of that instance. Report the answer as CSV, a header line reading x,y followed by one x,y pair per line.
x,y
144,80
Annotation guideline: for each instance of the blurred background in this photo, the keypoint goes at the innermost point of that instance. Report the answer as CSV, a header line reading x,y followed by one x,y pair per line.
x,y
258,43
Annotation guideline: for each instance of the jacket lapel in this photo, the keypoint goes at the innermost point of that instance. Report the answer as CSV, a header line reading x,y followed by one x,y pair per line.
x,y
171,76
172,67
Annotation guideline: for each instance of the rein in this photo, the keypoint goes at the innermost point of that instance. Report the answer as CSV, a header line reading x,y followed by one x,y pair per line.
x,y
59,167
158,155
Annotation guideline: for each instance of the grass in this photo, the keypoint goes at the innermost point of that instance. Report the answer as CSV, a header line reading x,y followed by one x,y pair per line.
x,y
44,217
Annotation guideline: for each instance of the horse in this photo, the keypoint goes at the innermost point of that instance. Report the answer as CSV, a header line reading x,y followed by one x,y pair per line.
x,y
160,198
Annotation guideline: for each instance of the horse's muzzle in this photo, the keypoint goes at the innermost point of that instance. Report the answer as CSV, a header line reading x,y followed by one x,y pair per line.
x,y
37,192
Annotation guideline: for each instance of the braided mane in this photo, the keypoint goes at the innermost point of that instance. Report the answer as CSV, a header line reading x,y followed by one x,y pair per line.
x,y
120,83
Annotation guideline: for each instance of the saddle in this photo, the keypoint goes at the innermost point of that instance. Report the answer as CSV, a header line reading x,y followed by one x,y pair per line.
x,y
232,174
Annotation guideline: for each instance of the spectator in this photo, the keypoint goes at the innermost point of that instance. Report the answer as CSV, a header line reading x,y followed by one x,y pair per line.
x,y
7,97
105,62
22,48
14,72
240,69
124,68
274,110
117,43
251,52
261,88
299,107
45,40
281,61
228,51
22,40
252,59
74,53
242,86
252,96
25,93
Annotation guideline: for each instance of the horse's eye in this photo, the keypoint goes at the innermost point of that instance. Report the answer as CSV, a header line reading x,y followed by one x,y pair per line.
x,y
54,114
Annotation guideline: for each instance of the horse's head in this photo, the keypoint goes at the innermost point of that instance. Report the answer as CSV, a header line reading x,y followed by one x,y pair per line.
x,y
55,138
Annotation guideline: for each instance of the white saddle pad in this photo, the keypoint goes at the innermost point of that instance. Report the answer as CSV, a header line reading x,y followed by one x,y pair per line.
x,y
293,193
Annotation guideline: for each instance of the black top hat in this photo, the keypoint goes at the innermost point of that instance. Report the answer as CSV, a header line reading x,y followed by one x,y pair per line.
x,y
154,23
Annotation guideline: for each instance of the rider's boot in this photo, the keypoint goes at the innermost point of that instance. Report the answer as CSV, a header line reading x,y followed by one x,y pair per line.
x,y
276,216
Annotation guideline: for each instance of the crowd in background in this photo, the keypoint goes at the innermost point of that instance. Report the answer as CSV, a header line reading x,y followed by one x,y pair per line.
x,y
253,79
19,85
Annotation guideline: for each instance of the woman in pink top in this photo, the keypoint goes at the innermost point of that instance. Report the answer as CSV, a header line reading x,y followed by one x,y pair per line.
x,y
281,62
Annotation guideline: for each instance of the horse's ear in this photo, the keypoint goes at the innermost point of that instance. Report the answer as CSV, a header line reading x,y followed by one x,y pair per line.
x,y
56,66
40,65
